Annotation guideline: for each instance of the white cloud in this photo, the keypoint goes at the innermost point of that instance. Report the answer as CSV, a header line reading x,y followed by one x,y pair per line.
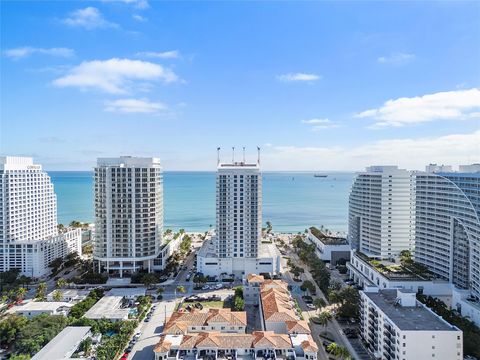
x,y
26,51
89,18
114,76
139,18
302,77
316,121
407,153
449,105
396,58
134,106
321,124
325,127
172,54
138,4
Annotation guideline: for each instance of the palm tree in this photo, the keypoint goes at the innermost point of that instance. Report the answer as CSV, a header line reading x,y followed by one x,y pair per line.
x,y
338,351
324,318
57,295
181,289
61,283
21,292
319,303
41,291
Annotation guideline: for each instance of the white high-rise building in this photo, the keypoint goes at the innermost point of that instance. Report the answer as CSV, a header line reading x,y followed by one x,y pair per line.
x,y
394,325
239,215
434,168
472,168
29,239
128,213
237,247
381,212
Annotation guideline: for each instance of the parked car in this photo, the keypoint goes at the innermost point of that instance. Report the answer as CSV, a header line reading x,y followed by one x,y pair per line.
x,y
311,306
205,287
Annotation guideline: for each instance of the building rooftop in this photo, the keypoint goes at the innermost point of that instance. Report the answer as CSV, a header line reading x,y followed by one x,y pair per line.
x,y
251,278
238,165
64,344
108,307
42,306
70,293
217,340
416,317
277,305
327,239
128,161
396,271
181,320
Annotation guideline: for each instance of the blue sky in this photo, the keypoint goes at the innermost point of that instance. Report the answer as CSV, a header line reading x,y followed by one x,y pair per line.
x,y
317,85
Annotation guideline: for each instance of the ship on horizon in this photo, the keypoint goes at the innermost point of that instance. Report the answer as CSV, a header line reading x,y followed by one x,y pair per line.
x,y
320,175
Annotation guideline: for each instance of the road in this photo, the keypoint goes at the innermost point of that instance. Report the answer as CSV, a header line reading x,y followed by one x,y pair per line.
x,y
143,349
333,327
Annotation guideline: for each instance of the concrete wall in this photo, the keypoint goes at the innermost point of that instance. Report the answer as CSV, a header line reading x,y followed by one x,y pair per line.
x,y
438,345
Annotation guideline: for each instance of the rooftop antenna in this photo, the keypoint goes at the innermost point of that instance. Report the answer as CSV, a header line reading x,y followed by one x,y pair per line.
x,y
218,155
244,154
258,151
233,154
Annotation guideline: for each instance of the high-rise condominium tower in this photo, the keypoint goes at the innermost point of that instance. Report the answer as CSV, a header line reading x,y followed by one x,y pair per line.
x,y
239,214
236,247
29,240
128,213
381,211
447,233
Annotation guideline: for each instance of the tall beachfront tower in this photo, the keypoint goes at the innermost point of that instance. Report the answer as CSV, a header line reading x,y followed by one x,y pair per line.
x,y
29,239
381,212
447,234
128,213
239,210
29,204
236,246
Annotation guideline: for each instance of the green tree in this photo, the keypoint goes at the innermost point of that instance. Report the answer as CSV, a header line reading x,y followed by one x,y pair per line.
x,y
57,295
181,289
20,357
324,318
148,279
41,293
269,227
21,292
39,331
10,327
85,345
61,283
238,304
319,303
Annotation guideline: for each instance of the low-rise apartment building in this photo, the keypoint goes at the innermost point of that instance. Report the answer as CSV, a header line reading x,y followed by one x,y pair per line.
x,y
216,345
329,248
365,271
397,326
35,308
211,320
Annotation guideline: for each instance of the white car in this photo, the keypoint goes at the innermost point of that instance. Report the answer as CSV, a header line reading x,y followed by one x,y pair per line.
x,y
218,286
137,335
311,306
206,287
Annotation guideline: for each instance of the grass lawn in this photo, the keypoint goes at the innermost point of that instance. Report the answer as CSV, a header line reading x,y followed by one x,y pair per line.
x,y
208,304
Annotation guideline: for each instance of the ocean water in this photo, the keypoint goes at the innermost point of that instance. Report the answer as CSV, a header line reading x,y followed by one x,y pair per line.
x,y
292,201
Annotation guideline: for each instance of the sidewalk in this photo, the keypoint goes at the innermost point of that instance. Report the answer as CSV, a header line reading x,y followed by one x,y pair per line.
x,y
334,323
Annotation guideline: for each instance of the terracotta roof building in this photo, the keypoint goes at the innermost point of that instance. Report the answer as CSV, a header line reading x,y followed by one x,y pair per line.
x,y
218,346
193,321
